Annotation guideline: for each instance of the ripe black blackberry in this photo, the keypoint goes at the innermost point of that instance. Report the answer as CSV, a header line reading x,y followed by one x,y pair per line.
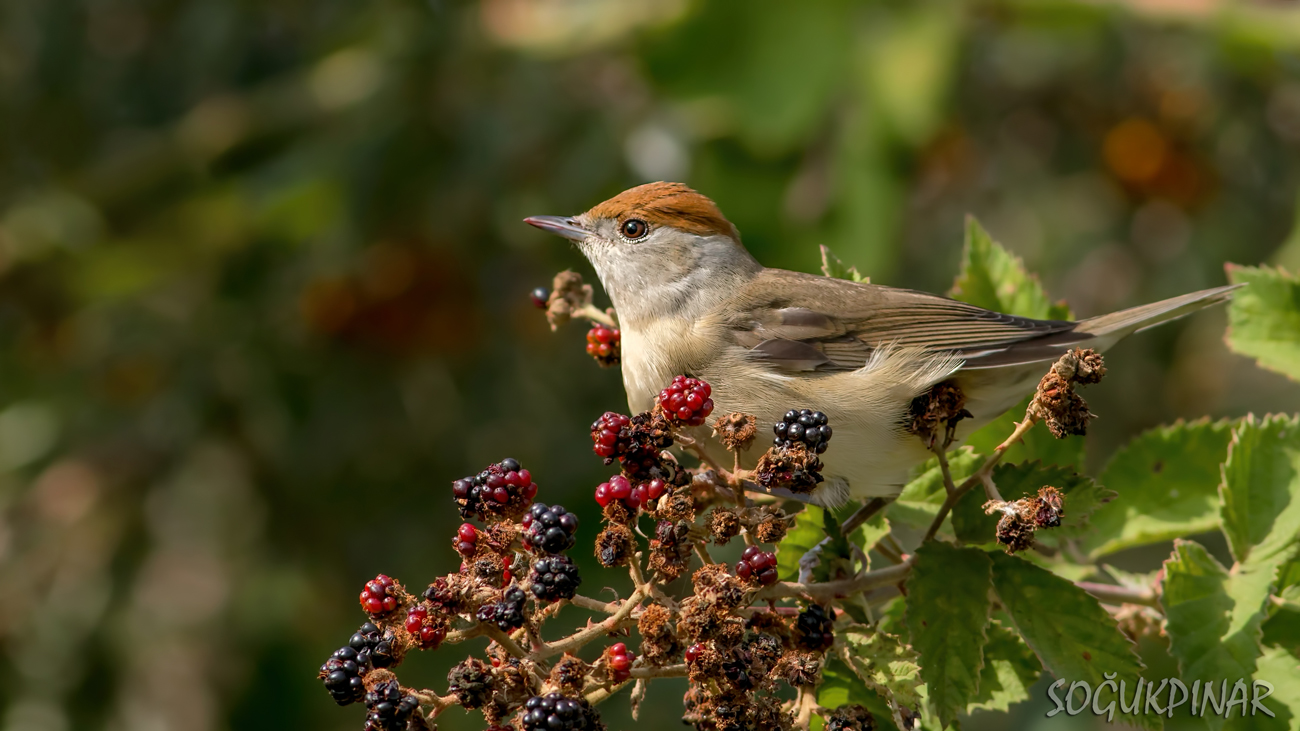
x,y
374,646
390,708
508,614
549,529
342,676
554,578
555,712
815,629
495,491
804,425
539,296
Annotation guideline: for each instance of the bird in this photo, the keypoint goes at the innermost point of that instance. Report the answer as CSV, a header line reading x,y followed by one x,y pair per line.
x,y
691,300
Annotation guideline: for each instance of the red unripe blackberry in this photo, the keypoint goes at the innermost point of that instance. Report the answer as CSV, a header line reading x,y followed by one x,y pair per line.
x,y
466,540
377,598
549,529
655,489
806,426
694,651
342,676
608,438
686,401
620,488
815,628
498,490
428,635
604,344
390,708
540,296
757,564
619,661
553,578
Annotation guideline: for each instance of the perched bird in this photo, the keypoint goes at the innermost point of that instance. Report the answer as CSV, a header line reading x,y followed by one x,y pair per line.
x,y
692,300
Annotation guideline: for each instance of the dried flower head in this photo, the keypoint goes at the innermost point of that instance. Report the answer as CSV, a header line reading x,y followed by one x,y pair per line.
x,y
1056,403
943,404
659,644
736,431
568,294
615,545
724,525
795,468
471,682
1015,533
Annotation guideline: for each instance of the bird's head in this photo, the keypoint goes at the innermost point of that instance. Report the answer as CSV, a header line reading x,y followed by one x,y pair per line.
x,y
659,249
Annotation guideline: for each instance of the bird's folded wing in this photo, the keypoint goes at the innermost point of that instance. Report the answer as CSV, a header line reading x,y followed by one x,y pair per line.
x,y
810,323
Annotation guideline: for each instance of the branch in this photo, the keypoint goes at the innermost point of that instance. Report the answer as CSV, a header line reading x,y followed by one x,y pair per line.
x,y
826,591
578,639
503,639
983,473
1112,594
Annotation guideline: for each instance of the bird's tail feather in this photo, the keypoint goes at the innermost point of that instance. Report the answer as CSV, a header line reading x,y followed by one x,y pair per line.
x,y
1110,328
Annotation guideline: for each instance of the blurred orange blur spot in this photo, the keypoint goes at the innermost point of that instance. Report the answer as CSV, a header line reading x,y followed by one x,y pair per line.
x,y
1135,150
327,305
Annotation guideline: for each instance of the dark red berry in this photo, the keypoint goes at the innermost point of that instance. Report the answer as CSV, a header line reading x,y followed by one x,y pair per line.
x,y
655,489
757,564
503,489
428,633
466,540
603,344
539,297
603,497
608,437
686,401
619,661
694,651
377,598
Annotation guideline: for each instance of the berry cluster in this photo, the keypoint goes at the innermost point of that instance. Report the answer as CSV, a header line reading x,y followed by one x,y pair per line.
x,y
636,442
815,629
390,708
609,435
620,661
554,712
466,540
508,614
549,529
804,425
379,597
374,647
554,578
427,632
686,401
603,344
342,675
620,489
757,564
494,491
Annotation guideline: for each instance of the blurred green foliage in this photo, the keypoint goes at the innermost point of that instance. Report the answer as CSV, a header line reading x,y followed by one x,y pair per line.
x,y
263,277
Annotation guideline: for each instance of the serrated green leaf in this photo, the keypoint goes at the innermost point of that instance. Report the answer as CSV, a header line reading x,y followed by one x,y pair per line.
x,y
884,664
1264,318
841,687
815,528
867,535
995,279
1167,482
1282,628
1213,621
1010,670
1069,631
919,501
1280,669
947,612
833,267
1082,497
1261,491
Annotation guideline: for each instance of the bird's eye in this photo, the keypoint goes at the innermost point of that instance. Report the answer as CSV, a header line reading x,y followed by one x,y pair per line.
x,y
634,228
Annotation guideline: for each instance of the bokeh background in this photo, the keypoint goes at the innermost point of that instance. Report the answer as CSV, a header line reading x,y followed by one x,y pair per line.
x,y
263,280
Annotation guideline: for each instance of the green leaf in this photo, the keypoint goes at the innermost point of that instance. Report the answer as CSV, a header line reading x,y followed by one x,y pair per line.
x,y
995,279
884,664
1069,631
1167,481
833,267
1082,497
1264,318
869,533
919,501
815,528
1261,491
841,687
1213,621
947,612
1010,670
1280,669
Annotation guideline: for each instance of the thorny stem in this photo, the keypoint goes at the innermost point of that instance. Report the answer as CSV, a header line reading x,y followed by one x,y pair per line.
x,y
984,472
990,489
434,702
503,639
829,590
941,451
582,637
594,605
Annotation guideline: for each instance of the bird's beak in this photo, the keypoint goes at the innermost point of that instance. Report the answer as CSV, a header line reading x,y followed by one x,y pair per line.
x,y
560,226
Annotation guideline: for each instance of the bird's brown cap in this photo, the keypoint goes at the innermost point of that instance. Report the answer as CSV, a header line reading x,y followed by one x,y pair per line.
x,y
667,204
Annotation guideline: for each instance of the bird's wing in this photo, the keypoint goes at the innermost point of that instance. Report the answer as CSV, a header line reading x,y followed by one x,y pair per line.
x,y
802,322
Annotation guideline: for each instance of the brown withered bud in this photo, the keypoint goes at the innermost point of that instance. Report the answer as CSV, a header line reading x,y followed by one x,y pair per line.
x,y
1014,532
513,685
799,667
447,594
943,404
770,624
499,537
568,294
615,546
677,505
693,702
707,664
471,682
724,525
715,585
644,439
850,718
1081,365
569,675
771,529
616,513
488,568
795,468
736,431
766,651
1048,508
659,645
765,714
1055,402
670,549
